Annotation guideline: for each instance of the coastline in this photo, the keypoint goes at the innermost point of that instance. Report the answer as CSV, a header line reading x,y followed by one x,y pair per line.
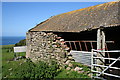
x,y
11,40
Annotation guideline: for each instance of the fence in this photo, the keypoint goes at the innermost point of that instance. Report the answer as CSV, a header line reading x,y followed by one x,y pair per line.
x,y
104,68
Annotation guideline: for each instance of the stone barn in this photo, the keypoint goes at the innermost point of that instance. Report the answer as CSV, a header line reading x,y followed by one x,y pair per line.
x,y
96,27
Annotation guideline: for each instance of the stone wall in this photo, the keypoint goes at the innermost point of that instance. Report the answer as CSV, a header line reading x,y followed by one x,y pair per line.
x,y
46,47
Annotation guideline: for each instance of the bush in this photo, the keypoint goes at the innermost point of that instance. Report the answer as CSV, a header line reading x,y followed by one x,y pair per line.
x,y
43,70
38,70
25,70
21,43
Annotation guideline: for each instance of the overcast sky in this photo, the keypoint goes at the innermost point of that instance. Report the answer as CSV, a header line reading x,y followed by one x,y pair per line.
x,y
19,17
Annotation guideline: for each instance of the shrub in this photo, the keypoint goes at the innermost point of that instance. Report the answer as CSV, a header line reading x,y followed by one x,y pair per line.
x,y
43,70
25,70
36,70
21,43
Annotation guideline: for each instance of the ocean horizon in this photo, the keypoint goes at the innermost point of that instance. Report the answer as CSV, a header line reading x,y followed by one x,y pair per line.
x,y
8,40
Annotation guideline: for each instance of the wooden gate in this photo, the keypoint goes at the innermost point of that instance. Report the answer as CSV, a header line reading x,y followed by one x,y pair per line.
x,y
104,68
83,55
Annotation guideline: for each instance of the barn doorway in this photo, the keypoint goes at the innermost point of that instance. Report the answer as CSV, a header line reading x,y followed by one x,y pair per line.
x,y
87,40
80,41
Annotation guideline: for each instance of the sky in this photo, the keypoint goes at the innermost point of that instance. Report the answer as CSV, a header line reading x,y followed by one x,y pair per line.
x,y
19,17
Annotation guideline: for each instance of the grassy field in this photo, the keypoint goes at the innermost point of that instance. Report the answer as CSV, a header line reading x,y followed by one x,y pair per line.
x,y
8,64
11,68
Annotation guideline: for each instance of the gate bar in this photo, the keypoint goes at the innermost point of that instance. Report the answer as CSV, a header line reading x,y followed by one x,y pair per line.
x,y
75,46
86,46
106,74
70,45
80,46
90,41
109,66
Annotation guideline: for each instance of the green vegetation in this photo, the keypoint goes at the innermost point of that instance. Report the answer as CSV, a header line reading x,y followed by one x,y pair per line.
x,y
21,43
85,68
39,70
70,74
25,68
8,65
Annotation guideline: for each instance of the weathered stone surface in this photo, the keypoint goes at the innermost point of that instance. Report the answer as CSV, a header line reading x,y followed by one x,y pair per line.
x,y
65,59
62,43
58,37
67,62
70,65
72,69
46,47
80,71
54,46
50,50
67,48
77,69
52,56
68,68
58,50
89,74
70,57
63,46
61,39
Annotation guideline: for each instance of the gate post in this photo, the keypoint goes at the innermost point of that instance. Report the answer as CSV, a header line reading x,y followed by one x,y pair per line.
x,y
103,45
98,39
100,46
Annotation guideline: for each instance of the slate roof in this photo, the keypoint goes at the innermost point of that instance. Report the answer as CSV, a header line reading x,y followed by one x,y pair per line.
x,y
107,15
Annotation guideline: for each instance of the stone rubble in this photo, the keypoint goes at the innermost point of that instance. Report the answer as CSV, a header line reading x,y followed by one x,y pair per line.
x,y
77,69
47,46
68,68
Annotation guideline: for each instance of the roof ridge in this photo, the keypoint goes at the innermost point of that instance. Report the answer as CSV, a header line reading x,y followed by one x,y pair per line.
x,y
78,20
91,7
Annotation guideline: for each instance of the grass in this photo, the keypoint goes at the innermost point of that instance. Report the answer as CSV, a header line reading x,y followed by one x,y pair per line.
x,y
70,74
85,68
73,74
10,67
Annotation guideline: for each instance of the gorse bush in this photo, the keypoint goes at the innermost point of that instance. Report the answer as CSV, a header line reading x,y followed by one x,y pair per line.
x,y
36,70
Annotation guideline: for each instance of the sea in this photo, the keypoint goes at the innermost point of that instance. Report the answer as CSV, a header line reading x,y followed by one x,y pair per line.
x,y
8,40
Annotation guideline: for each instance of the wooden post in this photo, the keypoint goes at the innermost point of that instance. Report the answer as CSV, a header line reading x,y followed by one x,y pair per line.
x,y
100,46
103,44
92,63
99,39
103,41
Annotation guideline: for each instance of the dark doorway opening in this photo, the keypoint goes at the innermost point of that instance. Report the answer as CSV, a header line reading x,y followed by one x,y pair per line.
x,y
112,34
80,41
